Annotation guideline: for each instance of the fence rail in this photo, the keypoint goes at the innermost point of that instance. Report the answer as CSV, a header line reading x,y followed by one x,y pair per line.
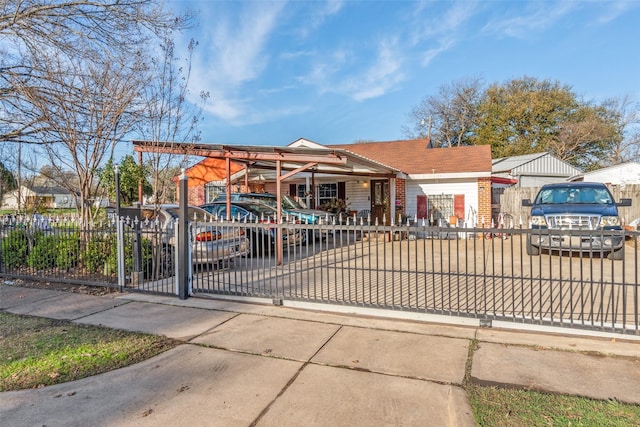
x,y
471,272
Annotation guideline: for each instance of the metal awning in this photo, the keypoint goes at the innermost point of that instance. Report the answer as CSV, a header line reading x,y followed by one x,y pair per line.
x,y
317,160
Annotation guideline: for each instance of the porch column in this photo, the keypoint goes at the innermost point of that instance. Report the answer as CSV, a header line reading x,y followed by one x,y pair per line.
x,y
279,213
392,200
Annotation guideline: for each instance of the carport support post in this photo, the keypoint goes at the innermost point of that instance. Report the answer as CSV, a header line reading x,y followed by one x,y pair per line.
x,y
183,239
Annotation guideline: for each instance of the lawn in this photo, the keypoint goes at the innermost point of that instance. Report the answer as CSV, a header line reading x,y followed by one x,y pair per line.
x,y
36,352
498,407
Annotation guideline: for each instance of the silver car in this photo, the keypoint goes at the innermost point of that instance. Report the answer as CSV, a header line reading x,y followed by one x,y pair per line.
x,y
210,243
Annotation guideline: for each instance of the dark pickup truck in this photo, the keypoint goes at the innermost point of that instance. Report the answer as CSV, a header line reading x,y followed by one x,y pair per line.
x,y
576,217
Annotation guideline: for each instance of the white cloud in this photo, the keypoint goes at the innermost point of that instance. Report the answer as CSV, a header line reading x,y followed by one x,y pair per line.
x,y
239,46
321,11
613,9
538,16
430,25
430,54
234,52
378,78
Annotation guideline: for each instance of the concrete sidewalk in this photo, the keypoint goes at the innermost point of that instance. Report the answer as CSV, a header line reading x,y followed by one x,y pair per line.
x,y
251,364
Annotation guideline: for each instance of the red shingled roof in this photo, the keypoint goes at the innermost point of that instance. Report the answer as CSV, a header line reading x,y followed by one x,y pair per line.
x,y
413,156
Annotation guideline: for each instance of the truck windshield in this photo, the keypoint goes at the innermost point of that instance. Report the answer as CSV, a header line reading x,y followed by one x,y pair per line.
x,y
577,195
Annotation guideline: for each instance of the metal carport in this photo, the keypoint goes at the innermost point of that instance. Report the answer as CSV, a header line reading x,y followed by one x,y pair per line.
x,y
290,160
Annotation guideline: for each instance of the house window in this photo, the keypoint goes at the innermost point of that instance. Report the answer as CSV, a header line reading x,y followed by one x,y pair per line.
x,y
440,207
301,191
213,189
327,192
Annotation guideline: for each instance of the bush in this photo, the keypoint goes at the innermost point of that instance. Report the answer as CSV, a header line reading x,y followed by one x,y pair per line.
x,y
50,251
100,254
67,249
15,248
41,256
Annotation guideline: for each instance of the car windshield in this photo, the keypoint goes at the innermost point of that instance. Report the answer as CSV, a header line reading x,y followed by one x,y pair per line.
x,y
575,195
289,203
261,209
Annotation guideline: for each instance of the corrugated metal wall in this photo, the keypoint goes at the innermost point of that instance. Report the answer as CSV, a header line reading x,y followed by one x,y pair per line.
x,y
554,170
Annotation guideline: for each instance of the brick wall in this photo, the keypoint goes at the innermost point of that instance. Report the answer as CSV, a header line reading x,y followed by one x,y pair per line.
x,y
401,193
484,202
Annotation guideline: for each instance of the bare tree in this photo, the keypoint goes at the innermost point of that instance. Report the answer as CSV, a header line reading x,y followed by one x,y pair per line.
x,y
586,137
169,115
627,113
85,108
449,117
68,29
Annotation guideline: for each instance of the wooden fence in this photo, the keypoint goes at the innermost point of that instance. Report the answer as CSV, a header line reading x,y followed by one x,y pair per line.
x,y
511,202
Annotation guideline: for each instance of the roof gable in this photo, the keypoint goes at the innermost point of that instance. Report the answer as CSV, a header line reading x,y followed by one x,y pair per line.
x,y
534,164
414,158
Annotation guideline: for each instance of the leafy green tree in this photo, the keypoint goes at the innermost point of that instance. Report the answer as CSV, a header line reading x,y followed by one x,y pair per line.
x,y
526,115
7,180
131,174
523,115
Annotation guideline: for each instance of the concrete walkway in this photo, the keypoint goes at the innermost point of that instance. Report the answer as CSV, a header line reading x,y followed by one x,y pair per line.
x,y
251,364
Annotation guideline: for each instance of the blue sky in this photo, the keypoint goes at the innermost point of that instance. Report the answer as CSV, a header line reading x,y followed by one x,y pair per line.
x,y
337,72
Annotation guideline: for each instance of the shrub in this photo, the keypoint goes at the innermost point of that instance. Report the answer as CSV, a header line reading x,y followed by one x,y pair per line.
x,y
67,250
15,248
42,255
100,254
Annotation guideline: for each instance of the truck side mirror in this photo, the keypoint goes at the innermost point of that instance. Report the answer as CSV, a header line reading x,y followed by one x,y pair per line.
x,y
526,202
624,202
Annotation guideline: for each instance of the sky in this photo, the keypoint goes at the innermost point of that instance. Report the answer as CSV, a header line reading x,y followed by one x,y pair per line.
x,y
338,72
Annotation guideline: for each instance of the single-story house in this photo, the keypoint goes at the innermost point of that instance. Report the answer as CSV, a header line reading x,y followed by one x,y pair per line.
x,y
402,179
50,197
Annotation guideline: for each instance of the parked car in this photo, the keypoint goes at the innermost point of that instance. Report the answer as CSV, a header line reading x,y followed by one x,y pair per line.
x,y
562,212
289,206
210,244
263,238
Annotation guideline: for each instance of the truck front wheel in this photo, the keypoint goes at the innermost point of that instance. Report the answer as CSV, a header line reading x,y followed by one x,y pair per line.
x,y
532,250
617,254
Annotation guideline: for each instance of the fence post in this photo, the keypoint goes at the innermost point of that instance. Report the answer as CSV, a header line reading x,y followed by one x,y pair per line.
x,y
120,234
183,239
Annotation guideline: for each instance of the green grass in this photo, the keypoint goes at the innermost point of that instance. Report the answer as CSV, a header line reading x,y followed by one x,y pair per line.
x,y
36,352
497,407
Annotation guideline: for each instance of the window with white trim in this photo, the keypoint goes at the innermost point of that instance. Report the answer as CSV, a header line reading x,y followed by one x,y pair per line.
x,y
213,189
327,192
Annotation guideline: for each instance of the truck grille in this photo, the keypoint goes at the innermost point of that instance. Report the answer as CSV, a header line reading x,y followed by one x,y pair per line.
x,y
573,222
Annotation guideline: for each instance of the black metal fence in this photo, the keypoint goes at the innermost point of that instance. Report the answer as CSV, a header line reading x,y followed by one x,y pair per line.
x,y
480,273
58,249
470,272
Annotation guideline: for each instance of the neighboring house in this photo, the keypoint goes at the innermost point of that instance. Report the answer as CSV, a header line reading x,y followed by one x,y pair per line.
x,y
622,174
531,170
526,171
33,197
